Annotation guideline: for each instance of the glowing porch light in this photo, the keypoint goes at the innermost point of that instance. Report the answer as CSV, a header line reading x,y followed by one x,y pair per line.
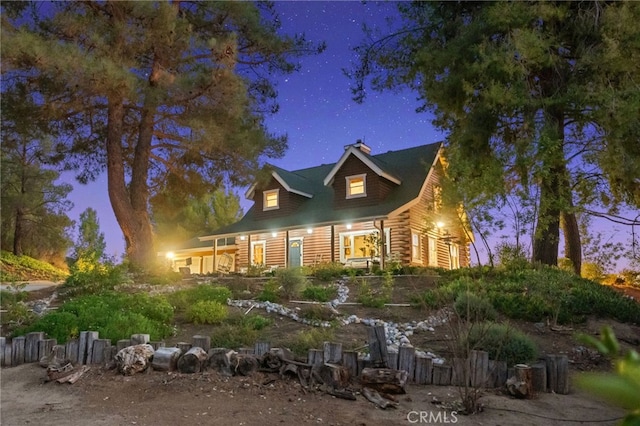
x,y
440,224
242,237
348,226
274,234
309,231
170,255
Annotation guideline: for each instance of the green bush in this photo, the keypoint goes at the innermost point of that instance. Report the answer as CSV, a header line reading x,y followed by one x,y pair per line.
x,y
320,293
256,322
183,299
207,312
303,340
270,292
241,288
317,313
101,278
16,268
233,337
503,342
114,315
291,282
474,308
329,271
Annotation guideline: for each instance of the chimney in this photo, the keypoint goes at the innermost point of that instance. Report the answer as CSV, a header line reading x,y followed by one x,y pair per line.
x,y
359,145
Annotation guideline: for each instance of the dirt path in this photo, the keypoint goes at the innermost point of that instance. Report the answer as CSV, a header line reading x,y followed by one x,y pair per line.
x,y
105,398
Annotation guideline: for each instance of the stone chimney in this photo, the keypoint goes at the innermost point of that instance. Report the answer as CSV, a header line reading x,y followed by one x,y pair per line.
x,y
359,145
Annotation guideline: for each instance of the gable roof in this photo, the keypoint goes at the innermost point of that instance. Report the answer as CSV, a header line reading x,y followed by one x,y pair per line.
x,y
291,181
374,163
408,166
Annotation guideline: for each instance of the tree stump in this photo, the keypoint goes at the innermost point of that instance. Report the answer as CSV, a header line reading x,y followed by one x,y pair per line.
x,y
31,346
157,344
350,362
261,348
385,380
140,339
194,361
45,347
17,350
392,358
332,352
520,384
220,360
315,357
552,373
60,351
333,375
460,372
497,373
442,375
424,370
123,343
97,351
479,368
85,346
562,366
539,377
134,359
72,349
184,346
166,359
378,346
244,364
203,342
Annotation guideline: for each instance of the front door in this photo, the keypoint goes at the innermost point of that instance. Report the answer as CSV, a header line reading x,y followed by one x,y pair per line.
x,y
295,253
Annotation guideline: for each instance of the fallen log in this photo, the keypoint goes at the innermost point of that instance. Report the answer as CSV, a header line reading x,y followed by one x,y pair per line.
x,y
373,396
194,361
244,364
332,375
385,380
74,376
166,359
134,359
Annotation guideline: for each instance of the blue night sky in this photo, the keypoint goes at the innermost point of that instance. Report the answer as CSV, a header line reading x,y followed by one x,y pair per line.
x,y
316,109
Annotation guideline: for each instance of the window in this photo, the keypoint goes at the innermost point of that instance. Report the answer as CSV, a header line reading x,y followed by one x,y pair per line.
x,y
271,199
258,253
357,186
433,251
454,253
361,244
416,247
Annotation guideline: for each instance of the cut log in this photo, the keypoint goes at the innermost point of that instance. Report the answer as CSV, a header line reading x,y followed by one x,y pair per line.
x,y
123,343
244,364
220,360
17,350
479,368
3,344
157,344
134,359
55,372
201,341
442,375
332,352
283,353
6,355
378,346
184,346
350,362
407,360
85,346
520,384
341,393
194,361
497,373
140,339
385,380
74,376
97,351
373,396
60,351
562,366
424,370
45,347
31,346
271,362
315,357
460,372
552,373
166,359
392,358
333,375
261,348
539,377
72,349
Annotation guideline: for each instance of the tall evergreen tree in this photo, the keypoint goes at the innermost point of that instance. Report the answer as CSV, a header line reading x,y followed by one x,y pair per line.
x,y
531,93
149,89
89,248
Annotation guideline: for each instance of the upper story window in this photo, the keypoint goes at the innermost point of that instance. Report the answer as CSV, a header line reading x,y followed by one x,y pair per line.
x,y
271,199
356,186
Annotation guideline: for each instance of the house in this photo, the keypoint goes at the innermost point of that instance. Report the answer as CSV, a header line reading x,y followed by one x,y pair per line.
x,y
341,212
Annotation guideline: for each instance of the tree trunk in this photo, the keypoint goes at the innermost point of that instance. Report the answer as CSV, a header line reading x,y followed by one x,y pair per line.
x,y
572,244
18,232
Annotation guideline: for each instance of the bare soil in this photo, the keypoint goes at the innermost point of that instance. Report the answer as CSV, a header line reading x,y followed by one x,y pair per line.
x,y
103,397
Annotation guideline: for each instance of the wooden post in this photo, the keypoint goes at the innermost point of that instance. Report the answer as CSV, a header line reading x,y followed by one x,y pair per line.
x,y
157,344
523,379
31,346
442,375
109,353
562,386
497,373
60,351
261,348
166,359
97,351
392,358
539,377
378,346
123,343
460,372
72,349
424,370
479,369
407,360
17,350
184,346
201,341
140,339
350,362
332,352
6,355
3,344
315,357
552,373
45,347
86,346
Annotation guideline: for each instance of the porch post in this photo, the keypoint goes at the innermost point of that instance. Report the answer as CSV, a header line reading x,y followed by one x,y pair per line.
x,y
382,250
215,249
333,239
249,251
286,249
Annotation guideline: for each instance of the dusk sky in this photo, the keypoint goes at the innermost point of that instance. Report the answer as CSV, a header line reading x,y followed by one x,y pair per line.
x,y
316,109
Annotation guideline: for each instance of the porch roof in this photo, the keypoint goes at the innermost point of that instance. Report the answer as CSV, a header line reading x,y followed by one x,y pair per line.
x,y
410,165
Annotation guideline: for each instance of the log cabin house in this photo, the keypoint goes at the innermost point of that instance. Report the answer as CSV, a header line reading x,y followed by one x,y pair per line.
x,y
363,209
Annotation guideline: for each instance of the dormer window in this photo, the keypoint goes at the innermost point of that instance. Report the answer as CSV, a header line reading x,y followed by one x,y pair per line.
x,y
356,186
271,199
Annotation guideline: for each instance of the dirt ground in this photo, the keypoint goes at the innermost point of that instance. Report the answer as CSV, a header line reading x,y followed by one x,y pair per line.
x,y
103,397
155,398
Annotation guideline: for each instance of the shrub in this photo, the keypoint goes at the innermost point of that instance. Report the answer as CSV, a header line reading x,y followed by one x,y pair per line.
x,y
317,313
98,279
270,292
368,297
320,293
207,312
241,288
503,343
233,337
256,322
183,299
328,271
474,308
58,325
291,282
304,340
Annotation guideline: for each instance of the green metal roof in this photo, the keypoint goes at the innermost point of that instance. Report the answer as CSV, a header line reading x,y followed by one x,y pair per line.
x,y
410,166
